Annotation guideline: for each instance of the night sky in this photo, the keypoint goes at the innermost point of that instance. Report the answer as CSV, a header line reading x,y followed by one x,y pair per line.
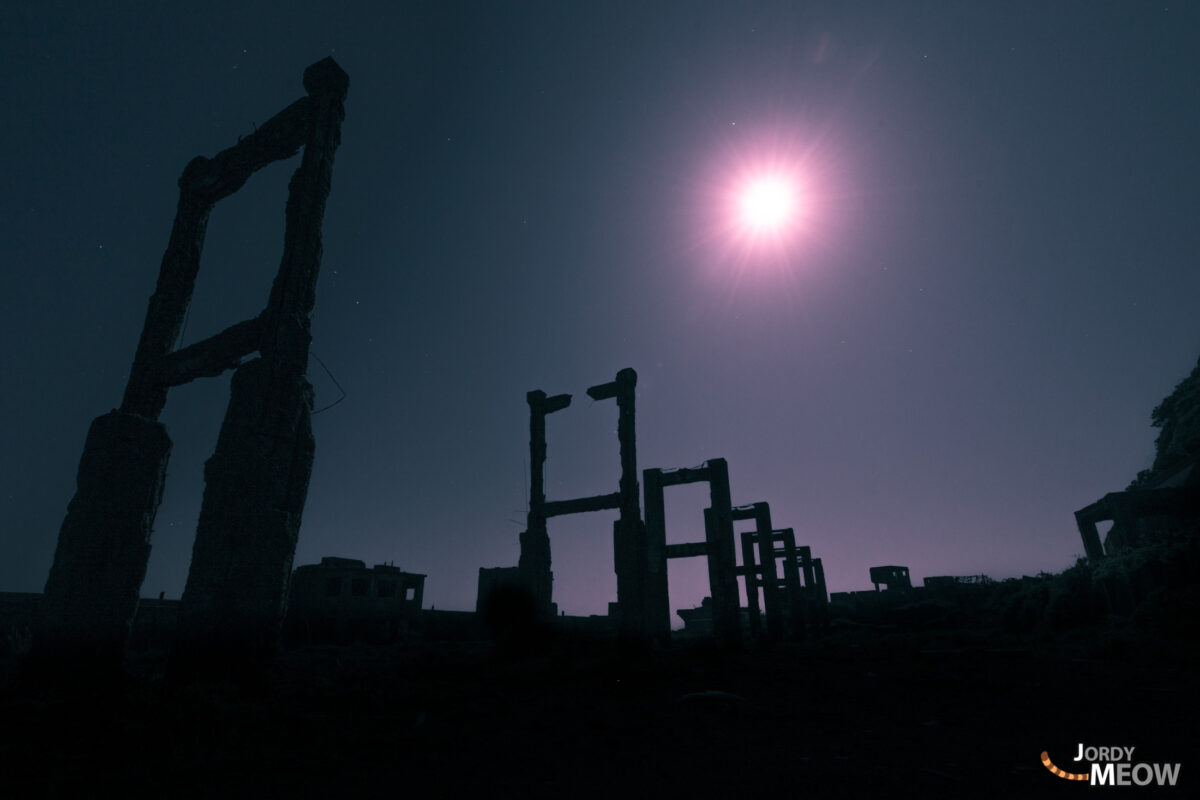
x,y
989,282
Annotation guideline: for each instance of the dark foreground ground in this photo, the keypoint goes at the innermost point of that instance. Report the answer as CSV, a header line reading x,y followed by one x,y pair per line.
x,y
864,712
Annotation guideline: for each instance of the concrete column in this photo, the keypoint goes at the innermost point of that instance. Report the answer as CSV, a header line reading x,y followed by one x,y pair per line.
x,y
750,571
807,564
626,385
722,556
1091,537
822,595
256,483
92,591
791,579
534,564
630,547
770,578
658,601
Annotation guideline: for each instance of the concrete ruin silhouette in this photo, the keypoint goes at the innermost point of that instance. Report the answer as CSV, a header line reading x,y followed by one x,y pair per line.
x,y
256,481
1173,501
761,572
718,547
803,600
892,578
341,600
628,531
640,549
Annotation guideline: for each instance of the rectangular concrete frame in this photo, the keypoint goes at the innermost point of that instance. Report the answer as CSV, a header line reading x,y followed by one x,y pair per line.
x,y
718,547
104,543
629,546
803,581
766,576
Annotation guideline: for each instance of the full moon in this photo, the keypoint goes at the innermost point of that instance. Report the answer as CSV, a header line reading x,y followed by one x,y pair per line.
x,y
767,205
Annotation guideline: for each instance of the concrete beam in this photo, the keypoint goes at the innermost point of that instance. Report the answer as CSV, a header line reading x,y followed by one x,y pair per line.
x,y
687,550
684,475
280,137
582,505
212,356
539,403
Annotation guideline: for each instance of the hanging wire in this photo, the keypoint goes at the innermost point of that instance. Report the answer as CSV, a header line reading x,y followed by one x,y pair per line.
x,y
335,383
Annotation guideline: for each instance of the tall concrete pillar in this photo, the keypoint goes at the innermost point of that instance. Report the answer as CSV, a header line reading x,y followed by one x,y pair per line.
x,y
629,536
256,483
764,534
722,556
630,553
764,569
658,601
104,545
750,573
534,564
797,608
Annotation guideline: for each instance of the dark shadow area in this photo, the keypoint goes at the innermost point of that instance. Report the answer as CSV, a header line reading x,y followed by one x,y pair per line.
x,y
946,691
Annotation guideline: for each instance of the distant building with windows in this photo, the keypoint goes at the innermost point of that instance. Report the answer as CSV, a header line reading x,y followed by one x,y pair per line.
x,y
342,599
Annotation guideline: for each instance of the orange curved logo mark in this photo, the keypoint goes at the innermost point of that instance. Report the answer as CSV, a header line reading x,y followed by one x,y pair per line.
x,y
1071,776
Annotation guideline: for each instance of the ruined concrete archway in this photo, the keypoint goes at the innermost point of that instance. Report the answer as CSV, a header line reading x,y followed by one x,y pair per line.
x,y
257,479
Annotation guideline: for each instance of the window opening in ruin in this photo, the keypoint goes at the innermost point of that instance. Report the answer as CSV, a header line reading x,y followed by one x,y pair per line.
x,y
687,578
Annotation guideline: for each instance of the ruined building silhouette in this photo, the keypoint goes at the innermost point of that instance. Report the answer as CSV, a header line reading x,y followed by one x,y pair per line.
x,y
793,602
1165,496
629,538
257,479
